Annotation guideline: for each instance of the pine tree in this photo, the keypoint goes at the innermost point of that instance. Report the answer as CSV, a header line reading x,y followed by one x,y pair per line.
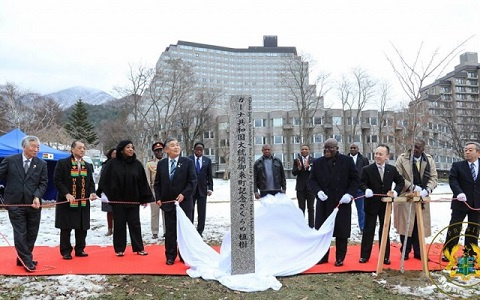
x,y
78,126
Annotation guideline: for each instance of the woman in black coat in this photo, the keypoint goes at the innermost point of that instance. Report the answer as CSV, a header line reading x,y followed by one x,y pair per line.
x,y
124,180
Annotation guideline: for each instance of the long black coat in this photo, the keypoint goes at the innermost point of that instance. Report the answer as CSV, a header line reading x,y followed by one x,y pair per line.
x,y
67,217
461,181
334,180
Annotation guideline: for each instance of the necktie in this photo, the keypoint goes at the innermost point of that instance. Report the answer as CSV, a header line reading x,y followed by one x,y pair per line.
x,y
172,168
472,170
380,170
26,165
197,165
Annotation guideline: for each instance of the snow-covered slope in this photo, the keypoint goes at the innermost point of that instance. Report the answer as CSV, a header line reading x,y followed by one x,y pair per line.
x,y
68,97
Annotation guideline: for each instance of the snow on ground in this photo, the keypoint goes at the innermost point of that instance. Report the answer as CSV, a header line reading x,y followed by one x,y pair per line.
x,y
218,222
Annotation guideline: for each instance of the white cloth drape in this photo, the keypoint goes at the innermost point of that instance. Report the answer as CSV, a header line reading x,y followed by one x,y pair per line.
x,y
284,246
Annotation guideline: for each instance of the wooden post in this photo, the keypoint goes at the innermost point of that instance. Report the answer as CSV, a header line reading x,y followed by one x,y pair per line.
x,y
421,231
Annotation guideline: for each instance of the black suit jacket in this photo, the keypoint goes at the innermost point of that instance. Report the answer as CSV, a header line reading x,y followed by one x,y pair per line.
x,y
205,177
370,179
461,181
183,182
21,188
301,173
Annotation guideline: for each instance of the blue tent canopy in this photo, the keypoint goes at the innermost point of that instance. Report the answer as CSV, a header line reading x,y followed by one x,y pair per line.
x,y
11,143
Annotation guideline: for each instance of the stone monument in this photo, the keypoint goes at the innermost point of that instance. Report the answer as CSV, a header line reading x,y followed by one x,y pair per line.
x,y
241,186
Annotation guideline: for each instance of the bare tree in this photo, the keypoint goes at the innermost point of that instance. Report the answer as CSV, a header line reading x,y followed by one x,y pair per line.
x,y
296,78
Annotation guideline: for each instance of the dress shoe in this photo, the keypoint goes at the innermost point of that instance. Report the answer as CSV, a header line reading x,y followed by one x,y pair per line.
x,y
19,263
30,268
120,254
386,261
142,253
444,258
67,256
109,232
363,260
81,254
338,263
406,257
155,236
169,262
417,256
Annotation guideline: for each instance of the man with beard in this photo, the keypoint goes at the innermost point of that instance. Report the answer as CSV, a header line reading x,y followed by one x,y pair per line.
x,y
334,179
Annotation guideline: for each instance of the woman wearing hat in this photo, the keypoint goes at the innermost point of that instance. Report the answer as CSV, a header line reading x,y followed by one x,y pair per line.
x,y
125,184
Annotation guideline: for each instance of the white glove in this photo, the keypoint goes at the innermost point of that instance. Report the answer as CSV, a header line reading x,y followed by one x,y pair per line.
x,y
368,193
462,197
104,198
423,193
321,195
347,198
395,194
417,189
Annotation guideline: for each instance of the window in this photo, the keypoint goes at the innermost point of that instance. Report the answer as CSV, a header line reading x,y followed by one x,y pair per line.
x,y
278,139
354,139
260,140
259,123
223,125
372,138
317,121
372,120
352,121
208,134
279,156
337,120
338,137
317,138
221,159
209,152
277,122
317,154
296,121
296,139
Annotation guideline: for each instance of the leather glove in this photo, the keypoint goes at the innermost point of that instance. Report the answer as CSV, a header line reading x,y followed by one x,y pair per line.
x,y
347,198
368,193
462,197
417,189
321,195
423,193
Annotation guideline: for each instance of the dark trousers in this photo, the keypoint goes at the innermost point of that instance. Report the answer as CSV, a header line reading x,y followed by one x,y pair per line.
x,y
306,198
66,246
124,215
171,232
201,211
369,233
25,223
454,231
269,192
412,241
340,250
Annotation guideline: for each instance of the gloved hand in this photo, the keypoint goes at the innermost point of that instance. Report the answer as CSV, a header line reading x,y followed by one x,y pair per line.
x,y
423,193
368,193
321,195
395,194
417,189
462,197
347,198
104,198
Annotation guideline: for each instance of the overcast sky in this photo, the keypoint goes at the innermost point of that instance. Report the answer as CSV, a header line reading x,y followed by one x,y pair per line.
x,y
50,45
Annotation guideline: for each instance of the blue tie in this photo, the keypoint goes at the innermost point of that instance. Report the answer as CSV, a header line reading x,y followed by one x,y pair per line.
x,y
197,165
472,169
172,168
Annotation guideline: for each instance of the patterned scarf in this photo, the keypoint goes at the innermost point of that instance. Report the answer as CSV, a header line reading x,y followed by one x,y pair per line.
x,y
75,172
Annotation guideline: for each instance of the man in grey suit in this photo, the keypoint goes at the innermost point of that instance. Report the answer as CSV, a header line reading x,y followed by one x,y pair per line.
x,y
27,180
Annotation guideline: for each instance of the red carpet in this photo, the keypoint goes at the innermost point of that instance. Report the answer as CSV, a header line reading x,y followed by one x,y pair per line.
x,y
102,260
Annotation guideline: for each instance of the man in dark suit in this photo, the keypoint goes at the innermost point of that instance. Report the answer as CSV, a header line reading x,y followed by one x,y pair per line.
x,y
73,178
301,169
377,178
334,179
203,168
465,185
360,161
27,180
175,180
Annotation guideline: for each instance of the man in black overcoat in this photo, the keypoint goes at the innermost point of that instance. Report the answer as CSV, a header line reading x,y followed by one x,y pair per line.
x,y
73,178
334,179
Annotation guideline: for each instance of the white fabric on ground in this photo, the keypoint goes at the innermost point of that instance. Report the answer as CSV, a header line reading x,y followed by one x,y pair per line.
x,y
284,246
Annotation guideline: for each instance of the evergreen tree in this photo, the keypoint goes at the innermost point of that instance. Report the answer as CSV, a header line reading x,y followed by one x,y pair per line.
x,y
78,126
